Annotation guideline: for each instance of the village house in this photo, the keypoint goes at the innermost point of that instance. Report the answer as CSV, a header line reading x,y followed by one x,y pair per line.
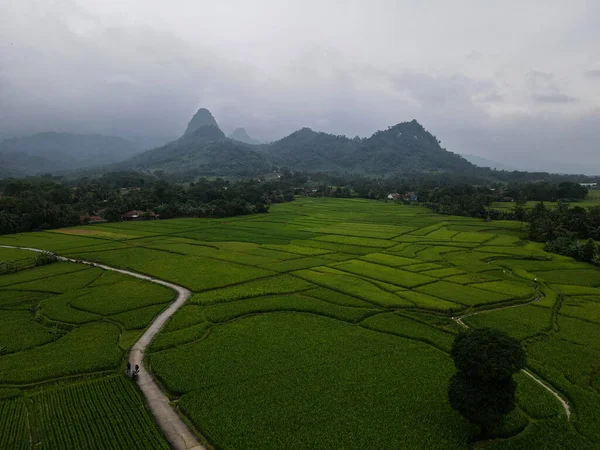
x,y
411,197
395,196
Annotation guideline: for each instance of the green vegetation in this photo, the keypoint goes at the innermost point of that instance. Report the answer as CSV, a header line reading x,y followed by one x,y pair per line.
x,y
102,413
326,323
59,323
483,389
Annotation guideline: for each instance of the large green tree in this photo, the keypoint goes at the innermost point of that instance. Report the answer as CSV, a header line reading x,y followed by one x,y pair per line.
x,y
482,389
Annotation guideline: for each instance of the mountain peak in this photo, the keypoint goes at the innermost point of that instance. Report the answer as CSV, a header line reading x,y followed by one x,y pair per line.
x,y
240,135
202,118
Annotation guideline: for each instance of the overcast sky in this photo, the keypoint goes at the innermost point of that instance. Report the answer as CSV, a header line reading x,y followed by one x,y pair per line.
x,y
513,80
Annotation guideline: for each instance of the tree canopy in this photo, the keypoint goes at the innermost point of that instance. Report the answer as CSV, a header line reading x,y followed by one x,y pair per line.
x,y
482,389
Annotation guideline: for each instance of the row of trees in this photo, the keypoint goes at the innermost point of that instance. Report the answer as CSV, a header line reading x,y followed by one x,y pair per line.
x,y
52,202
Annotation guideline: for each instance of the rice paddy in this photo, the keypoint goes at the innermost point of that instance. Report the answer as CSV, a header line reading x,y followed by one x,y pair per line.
x,y
325,323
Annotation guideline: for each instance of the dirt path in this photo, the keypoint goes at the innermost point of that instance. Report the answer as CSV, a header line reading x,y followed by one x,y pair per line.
x,y
563,402
173,427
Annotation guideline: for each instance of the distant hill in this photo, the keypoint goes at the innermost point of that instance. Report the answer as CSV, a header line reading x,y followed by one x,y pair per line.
x,y
240,135
406,147
484,162
60,152
204,150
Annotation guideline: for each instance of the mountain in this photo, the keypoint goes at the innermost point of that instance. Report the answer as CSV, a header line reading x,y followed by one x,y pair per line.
x,y
202,150
484,162
402,148
202,118
59,152
205,150
240,135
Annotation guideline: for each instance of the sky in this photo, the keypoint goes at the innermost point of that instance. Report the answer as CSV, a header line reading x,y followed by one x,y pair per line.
x,y
517,81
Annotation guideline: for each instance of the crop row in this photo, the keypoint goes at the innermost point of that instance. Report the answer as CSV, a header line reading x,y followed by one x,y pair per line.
x,y
288,380
100,414
14,429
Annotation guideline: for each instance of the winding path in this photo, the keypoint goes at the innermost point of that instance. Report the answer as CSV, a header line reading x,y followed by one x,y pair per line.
x,y
563,402
171,424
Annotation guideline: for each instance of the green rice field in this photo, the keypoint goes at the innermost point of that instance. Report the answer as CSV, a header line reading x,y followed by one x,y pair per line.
x,y
325,324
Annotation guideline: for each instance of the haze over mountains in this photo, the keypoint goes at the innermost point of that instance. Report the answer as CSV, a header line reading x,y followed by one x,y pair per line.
x,y
239,134
204,150
61,152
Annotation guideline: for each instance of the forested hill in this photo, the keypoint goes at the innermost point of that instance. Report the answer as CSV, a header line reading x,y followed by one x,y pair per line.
x,y
239,134
60,152
202,150
205,150
403,148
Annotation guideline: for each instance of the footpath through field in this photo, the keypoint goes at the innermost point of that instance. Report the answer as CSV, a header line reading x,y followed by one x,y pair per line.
x,y
171,424
563,402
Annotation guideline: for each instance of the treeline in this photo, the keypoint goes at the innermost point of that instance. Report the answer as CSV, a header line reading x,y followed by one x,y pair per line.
x,y
53,202
562,228
442,187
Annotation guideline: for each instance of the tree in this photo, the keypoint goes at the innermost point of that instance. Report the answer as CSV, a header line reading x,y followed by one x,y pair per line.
x,y
482,389
520,210
589,252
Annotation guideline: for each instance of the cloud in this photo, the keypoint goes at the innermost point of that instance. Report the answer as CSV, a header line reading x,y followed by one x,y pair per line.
x,y
492,97
594,73
121,79
545,89
555,97
143,67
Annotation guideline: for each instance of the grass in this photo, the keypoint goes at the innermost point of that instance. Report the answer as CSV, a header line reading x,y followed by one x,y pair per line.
x,y
105,413
323,324
390,260
579,277
354,286
359,241
399,325
519,322
14,426
281,284
43,272
465,295
514,289
180,337
279,385
224,312
191,272
425,301
126,295
18,332
89,348
387,274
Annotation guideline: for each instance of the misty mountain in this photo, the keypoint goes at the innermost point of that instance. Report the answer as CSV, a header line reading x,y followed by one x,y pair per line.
x,y
202,118
565,168
60,152
405,147
484,162
205,150
240,135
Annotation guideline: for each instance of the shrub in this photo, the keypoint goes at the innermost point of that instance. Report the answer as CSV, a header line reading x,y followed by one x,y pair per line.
x,y
45,258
